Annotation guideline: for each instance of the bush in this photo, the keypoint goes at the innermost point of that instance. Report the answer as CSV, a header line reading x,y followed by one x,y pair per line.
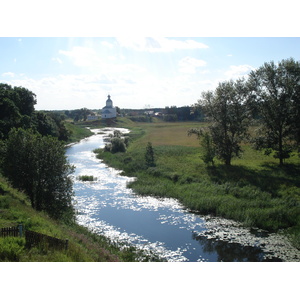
x,y
149,155
87,178
117,145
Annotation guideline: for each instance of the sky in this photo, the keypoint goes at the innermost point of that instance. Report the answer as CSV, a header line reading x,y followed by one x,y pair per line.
x,y
138,72
155,55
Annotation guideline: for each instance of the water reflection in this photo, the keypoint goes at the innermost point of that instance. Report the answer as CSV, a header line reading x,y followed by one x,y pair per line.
x,y
231,252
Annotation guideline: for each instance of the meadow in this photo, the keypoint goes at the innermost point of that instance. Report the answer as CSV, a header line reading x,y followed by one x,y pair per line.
x,y
253,190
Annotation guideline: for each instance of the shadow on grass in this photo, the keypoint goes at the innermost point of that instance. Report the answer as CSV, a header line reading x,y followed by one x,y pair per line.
x,y
269,179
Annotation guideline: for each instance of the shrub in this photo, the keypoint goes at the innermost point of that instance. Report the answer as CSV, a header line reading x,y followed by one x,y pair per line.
x,y
117,145
149,155
87,178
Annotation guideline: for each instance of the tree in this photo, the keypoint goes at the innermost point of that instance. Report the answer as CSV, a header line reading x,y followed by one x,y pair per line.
x,y
27,100
276,93
226,109
149,155
208,149
16,108
9,112
44,124
37,164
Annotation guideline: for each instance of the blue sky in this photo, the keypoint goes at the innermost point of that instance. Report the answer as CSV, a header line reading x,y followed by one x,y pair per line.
x,y
70,73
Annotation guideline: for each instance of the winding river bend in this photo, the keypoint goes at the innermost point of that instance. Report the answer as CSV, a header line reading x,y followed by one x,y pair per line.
x,y
163,226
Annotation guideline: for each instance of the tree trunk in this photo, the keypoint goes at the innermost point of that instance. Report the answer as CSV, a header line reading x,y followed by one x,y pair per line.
x,y
280,149
228,161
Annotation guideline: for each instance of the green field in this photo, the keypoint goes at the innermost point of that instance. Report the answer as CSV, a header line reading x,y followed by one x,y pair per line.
x,y
254,190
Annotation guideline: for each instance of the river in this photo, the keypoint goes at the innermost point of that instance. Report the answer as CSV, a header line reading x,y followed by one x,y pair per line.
x,y
161,226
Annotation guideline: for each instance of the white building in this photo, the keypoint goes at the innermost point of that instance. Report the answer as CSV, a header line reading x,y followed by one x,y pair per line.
x,y
92,117
108,111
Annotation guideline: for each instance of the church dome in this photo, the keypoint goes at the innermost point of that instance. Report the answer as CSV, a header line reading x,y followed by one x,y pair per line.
x,y
109,102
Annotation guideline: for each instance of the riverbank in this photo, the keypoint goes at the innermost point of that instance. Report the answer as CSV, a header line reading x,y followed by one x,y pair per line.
x,y
254,190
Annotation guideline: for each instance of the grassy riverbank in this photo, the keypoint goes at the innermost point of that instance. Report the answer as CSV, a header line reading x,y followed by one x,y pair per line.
x,y
78,132
254,190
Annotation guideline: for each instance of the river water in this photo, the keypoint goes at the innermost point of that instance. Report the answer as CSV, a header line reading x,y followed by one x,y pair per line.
x,y
161,226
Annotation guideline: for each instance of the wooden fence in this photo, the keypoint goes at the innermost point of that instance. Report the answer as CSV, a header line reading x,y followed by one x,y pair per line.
x,y
38,239
11,231
34,238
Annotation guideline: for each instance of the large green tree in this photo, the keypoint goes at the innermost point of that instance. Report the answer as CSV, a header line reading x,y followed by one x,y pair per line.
x,y
38,165
229,116
276,95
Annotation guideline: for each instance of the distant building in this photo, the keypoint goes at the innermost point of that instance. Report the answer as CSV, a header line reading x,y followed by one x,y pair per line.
x,y
92,117
108,111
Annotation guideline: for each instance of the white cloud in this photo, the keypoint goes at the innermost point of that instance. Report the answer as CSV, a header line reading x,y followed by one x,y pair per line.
x,y
190,64
77,91
88,58
82,56
238,71
8,74
158,44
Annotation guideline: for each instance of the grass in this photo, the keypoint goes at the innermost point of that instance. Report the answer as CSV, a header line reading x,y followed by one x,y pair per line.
x,y
254,190
78,132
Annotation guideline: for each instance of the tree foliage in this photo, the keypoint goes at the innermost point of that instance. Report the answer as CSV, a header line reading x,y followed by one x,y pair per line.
x,y
226,109
208,152
276,93
17,111
149,155
37,164
185,113
271,97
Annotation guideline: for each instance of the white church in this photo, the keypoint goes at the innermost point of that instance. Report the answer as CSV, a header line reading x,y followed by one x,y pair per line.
x,y
108,111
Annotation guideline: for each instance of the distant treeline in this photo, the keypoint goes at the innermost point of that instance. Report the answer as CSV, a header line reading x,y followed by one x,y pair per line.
x,y
167,114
